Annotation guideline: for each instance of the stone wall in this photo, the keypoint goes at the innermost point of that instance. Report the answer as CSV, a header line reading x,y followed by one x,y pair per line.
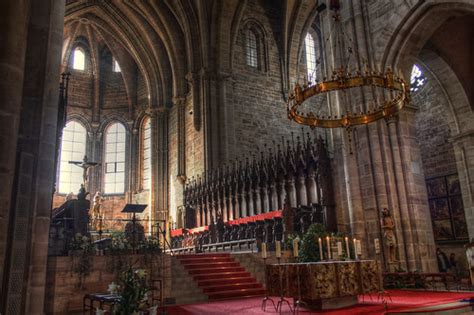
x,y
66,287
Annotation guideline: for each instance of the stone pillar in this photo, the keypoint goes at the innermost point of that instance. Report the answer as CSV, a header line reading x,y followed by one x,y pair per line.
x,y
30,59
14,17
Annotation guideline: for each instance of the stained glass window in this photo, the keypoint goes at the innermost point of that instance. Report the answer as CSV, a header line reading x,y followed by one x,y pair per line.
x,y
417,79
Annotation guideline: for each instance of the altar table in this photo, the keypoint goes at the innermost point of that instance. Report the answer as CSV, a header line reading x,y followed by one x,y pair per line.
x,y
324,285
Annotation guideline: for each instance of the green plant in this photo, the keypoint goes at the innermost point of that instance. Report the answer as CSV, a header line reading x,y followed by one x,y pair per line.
x,y
309,249
133,294
81,248
289,241
150,246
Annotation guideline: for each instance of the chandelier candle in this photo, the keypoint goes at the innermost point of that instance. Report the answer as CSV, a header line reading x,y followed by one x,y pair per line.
x,y
278,249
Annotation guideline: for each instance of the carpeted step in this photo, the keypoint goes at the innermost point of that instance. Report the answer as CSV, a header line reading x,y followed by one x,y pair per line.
x,y
231,287
219,270
210,260
202,256
224,281
222,276
235,293
224,264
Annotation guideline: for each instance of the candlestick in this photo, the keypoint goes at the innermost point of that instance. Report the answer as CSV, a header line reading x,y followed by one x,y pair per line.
x,y
264,250
295,247
348,252
339,249
329,246
278,249
320,242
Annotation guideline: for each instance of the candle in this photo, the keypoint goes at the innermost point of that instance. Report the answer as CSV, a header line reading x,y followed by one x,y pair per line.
x,y
329,246
359,248
320,249
348,252
339,249
377,246
278,249
295,247
264,250
355,248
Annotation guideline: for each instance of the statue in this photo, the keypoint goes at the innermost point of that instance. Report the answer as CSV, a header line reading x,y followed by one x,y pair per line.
x,y
85,165
96,215
388,227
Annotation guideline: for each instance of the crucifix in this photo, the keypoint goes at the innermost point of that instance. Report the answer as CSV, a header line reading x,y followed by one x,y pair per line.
x,y
85,165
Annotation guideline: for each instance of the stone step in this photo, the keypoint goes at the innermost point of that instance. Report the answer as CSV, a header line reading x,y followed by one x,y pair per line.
x,y
210,260
203,256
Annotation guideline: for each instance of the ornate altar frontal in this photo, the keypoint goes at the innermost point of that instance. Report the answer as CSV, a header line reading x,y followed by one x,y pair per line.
x,y
324,285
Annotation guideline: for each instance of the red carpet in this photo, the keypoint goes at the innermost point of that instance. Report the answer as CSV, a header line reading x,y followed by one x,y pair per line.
x,y
400,301
221,277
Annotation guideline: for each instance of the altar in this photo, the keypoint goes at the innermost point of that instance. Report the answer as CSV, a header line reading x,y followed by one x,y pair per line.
x,y
326,284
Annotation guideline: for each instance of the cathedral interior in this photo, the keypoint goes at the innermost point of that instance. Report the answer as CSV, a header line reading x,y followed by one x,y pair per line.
x,y
207,156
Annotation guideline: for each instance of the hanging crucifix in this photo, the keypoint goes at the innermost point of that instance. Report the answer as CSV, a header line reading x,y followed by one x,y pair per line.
x,y
85,165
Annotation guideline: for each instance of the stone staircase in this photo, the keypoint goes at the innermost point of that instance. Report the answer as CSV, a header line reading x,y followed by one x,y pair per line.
x,y
220,276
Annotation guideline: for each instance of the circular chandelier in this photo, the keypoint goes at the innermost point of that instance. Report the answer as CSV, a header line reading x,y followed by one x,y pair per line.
x,y
395,90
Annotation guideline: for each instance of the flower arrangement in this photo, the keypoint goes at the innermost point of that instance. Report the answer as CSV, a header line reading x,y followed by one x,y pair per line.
x,y
133,292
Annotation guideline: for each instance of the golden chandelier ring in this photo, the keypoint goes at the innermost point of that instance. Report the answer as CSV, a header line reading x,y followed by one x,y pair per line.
x,y
399,91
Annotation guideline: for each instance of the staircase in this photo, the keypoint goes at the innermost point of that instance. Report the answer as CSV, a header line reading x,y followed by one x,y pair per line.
x,y
220,277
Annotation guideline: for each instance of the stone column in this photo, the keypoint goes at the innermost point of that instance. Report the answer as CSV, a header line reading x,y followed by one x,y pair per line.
x,y
14,18
31,64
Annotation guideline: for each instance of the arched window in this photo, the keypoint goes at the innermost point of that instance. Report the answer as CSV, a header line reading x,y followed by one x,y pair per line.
x,y
115,65
79,60
417,79
114,179
146,154
310,49
252,52
73,148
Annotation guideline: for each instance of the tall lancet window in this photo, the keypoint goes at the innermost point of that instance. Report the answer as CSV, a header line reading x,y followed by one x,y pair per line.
x,y
115,65
79,59
146,154
73,148
114,179
252,52
310,49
